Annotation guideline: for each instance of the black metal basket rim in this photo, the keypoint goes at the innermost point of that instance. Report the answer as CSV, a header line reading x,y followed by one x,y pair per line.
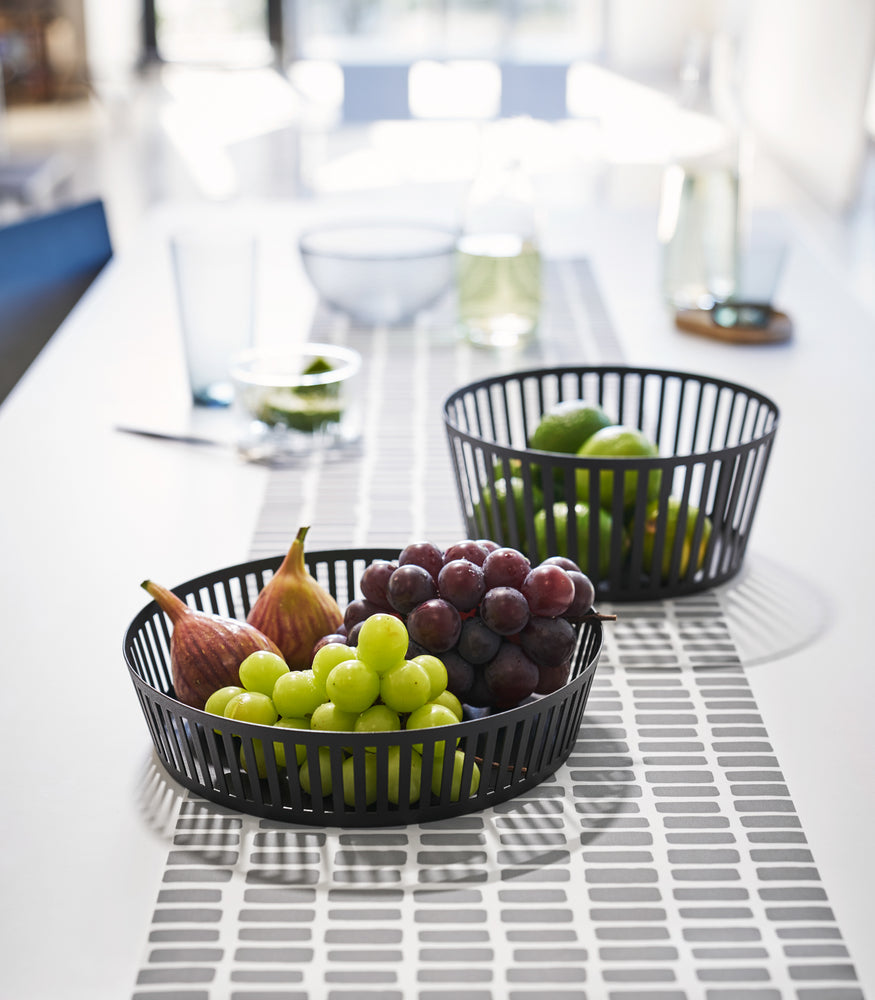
x,y
271,563
607,462
581,370
318,737
684,376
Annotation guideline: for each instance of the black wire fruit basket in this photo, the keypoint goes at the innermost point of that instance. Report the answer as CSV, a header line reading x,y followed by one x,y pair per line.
x,y
643,528
366,781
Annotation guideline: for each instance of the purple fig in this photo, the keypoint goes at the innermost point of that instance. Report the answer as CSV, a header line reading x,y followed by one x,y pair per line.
x,y
206,650
295,610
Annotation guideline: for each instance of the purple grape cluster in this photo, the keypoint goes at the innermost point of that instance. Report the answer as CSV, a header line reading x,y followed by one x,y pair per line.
x,y
504,629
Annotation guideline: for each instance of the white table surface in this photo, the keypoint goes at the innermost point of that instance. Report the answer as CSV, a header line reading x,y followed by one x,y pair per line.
x,y
87,513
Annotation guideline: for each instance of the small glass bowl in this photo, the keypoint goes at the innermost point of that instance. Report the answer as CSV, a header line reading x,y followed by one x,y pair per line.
x,y
379,273
289,404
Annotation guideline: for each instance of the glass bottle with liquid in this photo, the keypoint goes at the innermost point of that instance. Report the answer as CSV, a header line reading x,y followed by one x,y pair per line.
x,y
699,229
498,260
699,213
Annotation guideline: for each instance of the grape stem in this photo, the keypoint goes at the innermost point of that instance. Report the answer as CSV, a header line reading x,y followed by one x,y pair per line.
x,y
510,767
596,616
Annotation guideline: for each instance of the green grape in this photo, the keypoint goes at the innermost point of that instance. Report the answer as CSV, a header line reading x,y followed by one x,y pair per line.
x,y
297,693
291,723
260,671
351,768
326,659
437,673
260,766
251,706
428,715
219,699
328,717
322,767
450,701
377,719
352,686
405,686
279,752
382,641
394,774
456,782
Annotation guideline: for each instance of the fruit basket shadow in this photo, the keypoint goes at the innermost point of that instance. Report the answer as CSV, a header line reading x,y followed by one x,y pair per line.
x,y
660,521
347,779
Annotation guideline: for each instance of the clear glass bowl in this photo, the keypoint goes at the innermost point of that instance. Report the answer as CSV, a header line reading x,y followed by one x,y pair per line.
x,y
379,273
290,403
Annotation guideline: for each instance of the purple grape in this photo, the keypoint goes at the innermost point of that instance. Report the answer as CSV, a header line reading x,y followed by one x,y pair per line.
x,y
478,694
510,676
435,624
461,583
504,610
334,637
408,586
549,642
584,597
487,543
549,591
477,642
466,549
460,673
353,638
357,611
563,561
414,649
550,679
505,567
374,581
424,554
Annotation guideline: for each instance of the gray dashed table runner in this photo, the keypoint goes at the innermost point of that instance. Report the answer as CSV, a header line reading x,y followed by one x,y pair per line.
x,y
664,860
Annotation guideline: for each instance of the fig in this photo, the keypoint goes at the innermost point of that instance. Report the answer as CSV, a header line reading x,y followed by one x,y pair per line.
x,y
206,650
295,610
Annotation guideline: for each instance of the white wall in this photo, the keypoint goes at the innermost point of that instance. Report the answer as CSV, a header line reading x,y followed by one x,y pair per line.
x,y
805,77
113,41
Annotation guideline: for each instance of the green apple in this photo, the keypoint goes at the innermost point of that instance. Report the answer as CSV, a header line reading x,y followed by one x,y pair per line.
x,y
672,514
582,516
619,442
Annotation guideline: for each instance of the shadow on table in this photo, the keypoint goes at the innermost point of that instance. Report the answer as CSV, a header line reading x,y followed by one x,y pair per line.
x,y
159,797
772,612
532,838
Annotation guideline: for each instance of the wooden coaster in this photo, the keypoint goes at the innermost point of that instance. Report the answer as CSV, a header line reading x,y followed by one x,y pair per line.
x,y
699,321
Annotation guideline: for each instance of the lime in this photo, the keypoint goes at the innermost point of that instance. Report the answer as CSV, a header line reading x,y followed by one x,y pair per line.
x,y
582,516
509,493
513,466
305,408
567,426
301,412
672,514
617,441
319,366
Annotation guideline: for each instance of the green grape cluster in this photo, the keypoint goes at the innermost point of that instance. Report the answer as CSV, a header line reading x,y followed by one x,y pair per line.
x,y
369,688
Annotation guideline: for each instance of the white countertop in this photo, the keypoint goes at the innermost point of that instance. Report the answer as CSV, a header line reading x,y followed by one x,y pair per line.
x,y
87,513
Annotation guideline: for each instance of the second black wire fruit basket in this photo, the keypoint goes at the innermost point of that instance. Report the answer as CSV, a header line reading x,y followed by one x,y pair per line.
x,y
643,527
